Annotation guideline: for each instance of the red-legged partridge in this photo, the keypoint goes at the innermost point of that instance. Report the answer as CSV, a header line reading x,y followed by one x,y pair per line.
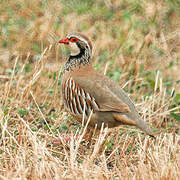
x,y
85,90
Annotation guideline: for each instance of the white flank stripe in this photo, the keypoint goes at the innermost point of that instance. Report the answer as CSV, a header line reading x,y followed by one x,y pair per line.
x,y
83,95
95,104
79,105
69,82
76,90
79,93
72,108
88,96
74,100
84,108
65,92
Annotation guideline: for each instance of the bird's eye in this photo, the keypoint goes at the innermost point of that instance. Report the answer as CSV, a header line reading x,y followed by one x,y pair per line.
x,y
74,39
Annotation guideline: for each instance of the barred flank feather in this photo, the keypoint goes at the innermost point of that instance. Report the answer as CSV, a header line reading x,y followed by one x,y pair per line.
x,y
76,99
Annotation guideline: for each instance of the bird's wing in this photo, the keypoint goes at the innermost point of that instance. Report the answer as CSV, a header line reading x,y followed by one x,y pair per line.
x,y
109,96
104,96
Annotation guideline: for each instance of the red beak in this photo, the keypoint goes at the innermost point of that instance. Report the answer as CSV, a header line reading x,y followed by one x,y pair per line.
x,y
64,41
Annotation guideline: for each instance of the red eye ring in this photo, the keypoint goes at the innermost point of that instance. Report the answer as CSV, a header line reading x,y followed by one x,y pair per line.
x,y
73,39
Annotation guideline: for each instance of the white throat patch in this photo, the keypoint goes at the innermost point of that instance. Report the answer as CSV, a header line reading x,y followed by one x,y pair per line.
x,y
74,49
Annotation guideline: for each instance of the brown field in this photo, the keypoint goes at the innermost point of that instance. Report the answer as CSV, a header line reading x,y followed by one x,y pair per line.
x,y
135,42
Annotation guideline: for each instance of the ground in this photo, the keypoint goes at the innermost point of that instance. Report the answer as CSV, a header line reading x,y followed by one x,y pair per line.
x,y
135,42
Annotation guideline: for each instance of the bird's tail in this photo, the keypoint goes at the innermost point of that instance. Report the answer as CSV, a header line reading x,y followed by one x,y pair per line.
x,y
140,123
133,119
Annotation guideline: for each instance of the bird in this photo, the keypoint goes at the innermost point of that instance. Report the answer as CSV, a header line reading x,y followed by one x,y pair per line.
x,y
86,92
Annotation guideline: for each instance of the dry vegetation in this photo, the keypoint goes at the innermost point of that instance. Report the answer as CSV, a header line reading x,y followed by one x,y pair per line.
x,y
136,42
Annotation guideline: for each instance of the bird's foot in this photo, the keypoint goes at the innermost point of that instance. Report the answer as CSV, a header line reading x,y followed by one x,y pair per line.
x,y
67,139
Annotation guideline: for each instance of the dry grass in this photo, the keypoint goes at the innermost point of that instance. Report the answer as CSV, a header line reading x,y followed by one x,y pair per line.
x,y
135,42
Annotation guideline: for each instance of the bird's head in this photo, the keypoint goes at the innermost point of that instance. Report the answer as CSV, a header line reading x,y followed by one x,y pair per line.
x,y
78,44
